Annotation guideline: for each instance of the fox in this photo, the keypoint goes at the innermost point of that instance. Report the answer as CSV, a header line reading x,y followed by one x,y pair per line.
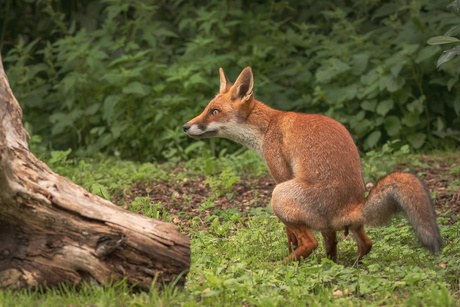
x,y
317,170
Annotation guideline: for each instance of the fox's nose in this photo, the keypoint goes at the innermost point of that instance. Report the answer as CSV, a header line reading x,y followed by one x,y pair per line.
x,y
185,127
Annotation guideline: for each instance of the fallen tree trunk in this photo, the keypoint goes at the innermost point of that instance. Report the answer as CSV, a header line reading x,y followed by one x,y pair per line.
x,y
53,231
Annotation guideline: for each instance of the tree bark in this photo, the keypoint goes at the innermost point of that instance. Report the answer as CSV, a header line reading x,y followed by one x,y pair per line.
x,y
53,231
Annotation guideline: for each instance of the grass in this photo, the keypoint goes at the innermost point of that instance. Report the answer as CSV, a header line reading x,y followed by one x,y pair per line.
x,y
236,261
231,265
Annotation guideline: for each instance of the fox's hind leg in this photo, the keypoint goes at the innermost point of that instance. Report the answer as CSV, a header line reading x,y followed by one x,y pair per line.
x,y
362,240
306,240
290,203
292,240
330,241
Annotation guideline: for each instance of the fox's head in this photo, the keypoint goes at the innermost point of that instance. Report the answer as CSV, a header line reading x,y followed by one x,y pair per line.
x,y
225,116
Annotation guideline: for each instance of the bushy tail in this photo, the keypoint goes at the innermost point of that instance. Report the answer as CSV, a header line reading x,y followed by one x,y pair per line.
x,y
404,192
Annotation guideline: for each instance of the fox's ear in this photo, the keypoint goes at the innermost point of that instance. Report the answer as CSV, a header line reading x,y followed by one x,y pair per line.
x,y
243,86
225,84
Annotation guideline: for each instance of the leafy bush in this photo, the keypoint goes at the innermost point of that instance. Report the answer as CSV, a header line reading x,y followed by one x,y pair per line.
x,y
223,184
127,77
447,38
377,164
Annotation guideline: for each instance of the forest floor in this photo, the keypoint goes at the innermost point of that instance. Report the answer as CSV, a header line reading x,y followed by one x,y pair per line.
x,y
237,243
183,198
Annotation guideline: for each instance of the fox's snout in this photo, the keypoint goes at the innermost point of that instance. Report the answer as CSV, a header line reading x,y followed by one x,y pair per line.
x,y
185,127
199,130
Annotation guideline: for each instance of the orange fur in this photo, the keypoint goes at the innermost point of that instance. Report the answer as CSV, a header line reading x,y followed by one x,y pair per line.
x,y
317,168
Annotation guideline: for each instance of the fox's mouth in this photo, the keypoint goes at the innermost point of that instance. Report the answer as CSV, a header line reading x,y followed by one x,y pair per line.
x,y
206,134
198,131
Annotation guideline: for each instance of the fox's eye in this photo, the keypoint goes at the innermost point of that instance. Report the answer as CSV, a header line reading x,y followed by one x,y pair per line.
x,y
214,112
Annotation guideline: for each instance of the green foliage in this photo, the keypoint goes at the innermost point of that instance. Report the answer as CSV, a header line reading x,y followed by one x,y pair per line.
x,y
223,184
378,163
448,38
124,78
147,208
117,294
242,162
455,184
101,175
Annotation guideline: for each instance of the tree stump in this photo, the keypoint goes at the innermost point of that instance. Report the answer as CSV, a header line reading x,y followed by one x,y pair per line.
x,y
53,231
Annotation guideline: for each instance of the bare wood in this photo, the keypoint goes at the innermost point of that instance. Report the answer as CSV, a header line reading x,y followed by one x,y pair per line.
x,y
53,231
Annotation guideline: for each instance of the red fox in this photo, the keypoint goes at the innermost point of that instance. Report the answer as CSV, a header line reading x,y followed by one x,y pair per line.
x,y
317,169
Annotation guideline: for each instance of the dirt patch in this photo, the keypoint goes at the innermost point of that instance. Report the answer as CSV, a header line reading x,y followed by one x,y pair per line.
x,y
185,200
